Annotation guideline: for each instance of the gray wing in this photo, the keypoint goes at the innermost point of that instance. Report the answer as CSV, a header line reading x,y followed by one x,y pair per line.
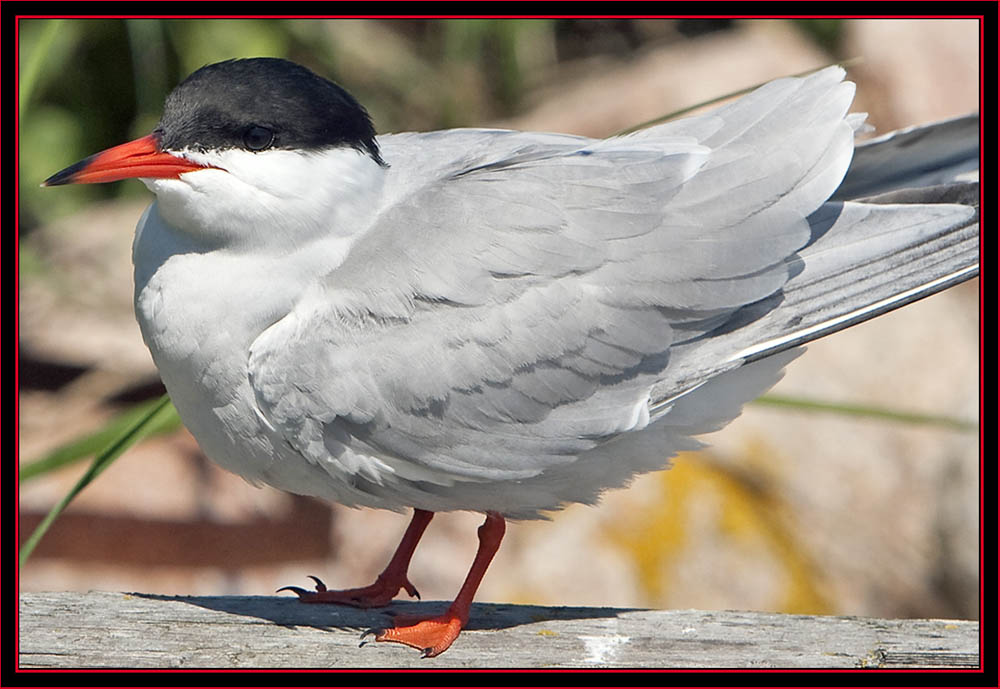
x,y
517,305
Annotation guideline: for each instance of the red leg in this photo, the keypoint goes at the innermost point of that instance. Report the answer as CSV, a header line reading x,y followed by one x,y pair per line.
x,y
389,582
435,634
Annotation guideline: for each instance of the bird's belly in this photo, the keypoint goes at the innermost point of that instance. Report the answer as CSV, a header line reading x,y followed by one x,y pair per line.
x,y
214,400
202,373
202,360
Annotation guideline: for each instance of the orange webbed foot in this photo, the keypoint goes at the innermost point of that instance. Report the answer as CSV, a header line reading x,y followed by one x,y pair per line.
x,y
431,635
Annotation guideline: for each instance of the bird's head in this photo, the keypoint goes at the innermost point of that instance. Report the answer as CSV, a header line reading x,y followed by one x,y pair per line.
x,y
250,146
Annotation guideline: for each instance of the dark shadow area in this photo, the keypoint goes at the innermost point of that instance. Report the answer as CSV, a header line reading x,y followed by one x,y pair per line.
x,y
148,389
38,373
288,611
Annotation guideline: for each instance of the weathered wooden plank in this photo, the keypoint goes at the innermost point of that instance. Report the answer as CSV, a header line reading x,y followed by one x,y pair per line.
x,y
99,629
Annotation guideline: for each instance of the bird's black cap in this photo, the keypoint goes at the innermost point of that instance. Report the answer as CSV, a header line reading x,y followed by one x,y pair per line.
x,y
263,103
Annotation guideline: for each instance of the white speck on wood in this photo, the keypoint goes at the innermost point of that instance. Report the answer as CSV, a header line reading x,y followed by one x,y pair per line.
x,y
602,649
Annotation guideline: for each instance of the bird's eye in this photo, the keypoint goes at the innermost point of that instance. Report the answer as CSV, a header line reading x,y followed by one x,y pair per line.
x,y
257,138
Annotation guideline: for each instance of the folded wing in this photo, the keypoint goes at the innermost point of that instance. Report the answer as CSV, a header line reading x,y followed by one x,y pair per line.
x,y
518,299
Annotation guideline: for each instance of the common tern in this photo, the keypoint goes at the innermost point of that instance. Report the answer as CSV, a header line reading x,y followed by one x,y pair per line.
x,y
507,322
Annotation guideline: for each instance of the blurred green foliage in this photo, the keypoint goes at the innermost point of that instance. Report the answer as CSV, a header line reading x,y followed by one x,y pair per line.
x,y
827,33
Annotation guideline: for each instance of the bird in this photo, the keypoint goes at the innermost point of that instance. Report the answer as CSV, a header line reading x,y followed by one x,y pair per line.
x,y
500,321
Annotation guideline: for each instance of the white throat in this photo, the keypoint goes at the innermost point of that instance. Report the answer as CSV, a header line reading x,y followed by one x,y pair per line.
x,y
275,200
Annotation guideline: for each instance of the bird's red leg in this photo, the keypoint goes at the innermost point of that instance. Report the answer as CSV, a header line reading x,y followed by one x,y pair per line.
x,y
435,634
389,582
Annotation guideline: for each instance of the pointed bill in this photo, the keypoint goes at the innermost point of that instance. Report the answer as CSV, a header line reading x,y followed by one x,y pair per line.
x,y
139,158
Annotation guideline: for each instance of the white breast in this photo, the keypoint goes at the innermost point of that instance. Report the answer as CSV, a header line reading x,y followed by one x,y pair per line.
x,y
200,308
223,254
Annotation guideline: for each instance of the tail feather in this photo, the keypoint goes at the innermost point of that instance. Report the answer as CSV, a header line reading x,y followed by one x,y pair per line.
x,y
864,258
923,156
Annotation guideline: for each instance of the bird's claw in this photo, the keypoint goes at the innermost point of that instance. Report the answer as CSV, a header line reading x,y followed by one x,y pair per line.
x,y
301,592
320,586
411,589
371,631
298,591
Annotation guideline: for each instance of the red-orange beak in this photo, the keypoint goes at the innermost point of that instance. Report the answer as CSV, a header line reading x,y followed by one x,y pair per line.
x,y
139,158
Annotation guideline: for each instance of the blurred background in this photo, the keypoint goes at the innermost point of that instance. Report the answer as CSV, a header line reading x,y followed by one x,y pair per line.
x,y
787,511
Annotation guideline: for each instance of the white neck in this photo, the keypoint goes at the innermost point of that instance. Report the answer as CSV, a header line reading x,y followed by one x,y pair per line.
x,y
275,201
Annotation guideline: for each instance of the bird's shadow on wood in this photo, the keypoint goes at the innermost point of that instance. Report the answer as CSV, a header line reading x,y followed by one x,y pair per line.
x,y
289,612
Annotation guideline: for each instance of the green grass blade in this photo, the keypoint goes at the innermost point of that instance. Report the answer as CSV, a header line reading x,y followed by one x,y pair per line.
x,y
133,434
34,62
868,411
93,443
